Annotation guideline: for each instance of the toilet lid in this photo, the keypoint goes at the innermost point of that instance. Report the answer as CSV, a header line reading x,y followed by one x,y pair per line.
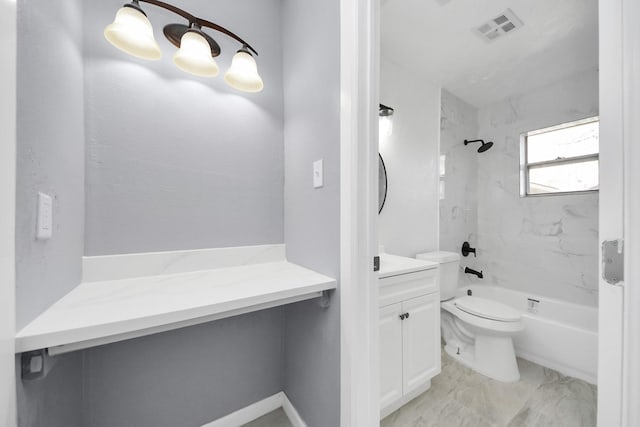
x,y
487,308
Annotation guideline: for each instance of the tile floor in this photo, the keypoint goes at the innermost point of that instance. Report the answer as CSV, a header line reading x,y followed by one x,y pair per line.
x,y
460,397
276,418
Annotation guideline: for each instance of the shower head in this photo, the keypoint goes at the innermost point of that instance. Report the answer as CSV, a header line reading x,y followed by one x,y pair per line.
x,y
484,147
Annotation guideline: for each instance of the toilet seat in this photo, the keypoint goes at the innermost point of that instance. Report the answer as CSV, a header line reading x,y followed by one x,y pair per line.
x,y
487,309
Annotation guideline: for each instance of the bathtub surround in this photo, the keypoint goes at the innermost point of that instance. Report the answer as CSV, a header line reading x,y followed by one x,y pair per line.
x,y
541,397
459,206
546,245
408,224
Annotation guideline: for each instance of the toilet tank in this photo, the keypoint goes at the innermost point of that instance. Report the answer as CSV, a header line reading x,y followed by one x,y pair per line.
x,y
448,271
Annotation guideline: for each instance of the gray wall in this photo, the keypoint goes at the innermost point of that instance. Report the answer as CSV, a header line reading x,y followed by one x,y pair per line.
x,y
176,161
50,158
55,401
311,32
172,162
186,377
50,152
179,162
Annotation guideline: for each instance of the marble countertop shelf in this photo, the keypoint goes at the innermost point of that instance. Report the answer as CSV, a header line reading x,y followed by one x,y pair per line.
x,y
101,312
393,265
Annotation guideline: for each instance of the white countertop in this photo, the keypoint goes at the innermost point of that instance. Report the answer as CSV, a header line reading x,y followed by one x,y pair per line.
x,y
393,265
100,312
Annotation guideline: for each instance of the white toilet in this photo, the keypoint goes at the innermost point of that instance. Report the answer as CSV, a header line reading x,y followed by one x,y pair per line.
x,y
477,331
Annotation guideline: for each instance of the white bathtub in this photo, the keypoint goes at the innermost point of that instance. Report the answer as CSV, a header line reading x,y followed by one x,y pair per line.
x,y
560,335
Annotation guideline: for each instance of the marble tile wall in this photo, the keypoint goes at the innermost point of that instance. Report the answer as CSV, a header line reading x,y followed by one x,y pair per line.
x,y
543,245
458,209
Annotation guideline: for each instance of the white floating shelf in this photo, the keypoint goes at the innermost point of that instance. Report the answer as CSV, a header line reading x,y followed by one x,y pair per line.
x,y
101,312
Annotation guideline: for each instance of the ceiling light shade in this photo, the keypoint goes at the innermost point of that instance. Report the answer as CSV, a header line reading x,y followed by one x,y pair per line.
x,y
243,74
131,32
194,55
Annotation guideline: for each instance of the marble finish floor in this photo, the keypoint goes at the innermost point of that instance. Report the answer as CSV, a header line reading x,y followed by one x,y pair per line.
x,y
460,397
276,418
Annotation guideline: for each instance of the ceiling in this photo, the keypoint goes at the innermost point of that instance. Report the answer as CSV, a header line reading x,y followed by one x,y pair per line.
x,y
436,40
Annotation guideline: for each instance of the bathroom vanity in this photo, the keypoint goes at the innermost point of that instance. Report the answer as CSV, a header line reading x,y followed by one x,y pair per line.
x,y
409,321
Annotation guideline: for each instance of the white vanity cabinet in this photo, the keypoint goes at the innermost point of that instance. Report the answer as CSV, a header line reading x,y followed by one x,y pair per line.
x,y
409,329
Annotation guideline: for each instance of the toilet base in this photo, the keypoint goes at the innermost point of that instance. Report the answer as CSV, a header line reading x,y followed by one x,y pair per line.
x,y
491,356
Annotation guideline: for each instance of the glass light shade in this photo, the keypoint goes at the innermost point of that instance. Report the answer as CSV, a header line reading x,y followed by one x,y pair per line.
x,y
385,126
131,32
194,56
243,74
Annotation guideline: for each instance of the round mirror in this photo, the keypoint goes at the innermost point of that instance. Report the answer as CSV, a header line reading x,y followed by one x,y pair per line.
x,y
382,183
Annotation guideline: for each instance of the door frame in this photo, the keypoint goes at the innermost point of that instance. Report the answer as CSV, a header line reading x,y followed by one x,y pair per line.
x,y
359,82
631,140
8,31
619,306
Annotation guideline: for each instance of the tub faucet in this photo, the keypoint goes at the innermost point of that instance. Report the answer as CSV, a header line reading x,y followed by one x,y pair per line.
x,y
468,270
467,249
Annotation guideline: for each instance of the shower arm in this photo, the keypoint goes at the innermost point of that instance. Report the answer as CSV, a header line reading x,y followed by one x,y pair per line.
x,y
473,140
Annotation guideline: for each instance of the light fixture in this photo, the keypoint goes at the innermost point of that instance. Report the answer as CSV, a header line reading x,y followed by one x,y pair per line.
x,y
194,55
243,74
385,124
132,33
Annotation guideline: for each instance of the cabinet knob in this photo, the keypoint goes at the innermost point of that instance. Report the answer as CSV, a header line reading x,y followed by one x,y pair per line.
x,y
404,316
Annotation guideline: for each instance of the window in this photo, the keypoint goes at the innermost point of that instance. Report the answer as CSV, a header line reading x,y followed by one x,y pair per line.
x,y
560,159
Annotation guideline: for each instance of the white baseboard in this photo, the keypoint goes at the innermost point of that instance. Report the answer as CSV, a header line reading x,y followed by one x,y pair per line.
x,y
292,413
258,409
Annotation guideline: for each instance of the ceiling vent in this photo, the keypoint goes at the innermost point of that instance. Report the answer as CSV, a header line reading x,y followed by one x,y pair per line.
x,y
503,24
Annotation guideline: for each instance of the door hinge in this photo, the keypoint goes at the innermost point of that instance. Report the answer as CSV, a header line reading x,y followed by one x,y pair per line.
x,y
376,263
613,261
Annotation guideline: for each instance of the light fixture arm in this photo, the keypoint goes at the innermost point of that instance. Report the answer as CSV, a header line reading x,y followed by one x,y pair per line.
x,y
195,20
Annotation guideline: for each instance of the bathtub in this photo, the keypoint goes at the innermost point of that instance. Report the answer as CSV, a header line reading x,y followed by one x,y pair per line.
x,y
559,335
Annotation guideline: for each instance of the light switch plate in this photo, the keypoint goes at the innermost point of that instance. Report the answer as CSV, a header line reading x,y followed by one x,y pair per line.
x,y
318,174
44,221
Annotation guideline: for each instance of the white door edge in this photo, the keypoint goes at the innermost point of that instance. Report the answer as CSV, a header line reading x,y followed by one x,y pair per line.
x,y
7,211
631,137
358,156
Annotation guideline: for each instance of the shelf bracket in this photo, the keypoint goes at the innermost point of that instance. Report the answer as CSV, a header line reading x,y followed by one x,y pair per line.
x,y
325,300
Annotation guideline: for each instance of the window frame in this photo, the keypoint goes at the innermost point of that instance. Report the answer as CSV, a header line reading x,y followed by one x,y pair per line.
x,y
525,166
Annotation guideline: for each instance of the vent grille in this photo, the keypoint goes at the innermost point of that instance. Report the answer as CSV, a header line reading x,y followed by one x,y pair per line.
x,y
499,26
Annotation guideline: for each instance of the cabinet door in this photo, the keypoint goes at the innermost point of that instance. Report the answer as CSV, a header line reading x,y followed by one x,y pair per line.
x,y
390,354
421,341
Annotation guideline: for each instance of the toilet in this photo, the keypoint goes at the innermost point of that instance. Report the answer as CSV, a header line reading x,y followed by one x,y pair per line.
x,y
477,331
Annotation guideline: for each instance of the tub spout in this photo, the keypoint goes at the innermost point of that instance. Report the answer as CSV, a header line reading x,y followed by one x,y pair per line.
x,y
468,270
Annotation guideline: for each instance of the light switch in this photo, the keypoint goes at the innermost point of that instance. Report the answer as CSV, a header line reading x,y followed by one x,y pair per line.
x,y
44,222
318,174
